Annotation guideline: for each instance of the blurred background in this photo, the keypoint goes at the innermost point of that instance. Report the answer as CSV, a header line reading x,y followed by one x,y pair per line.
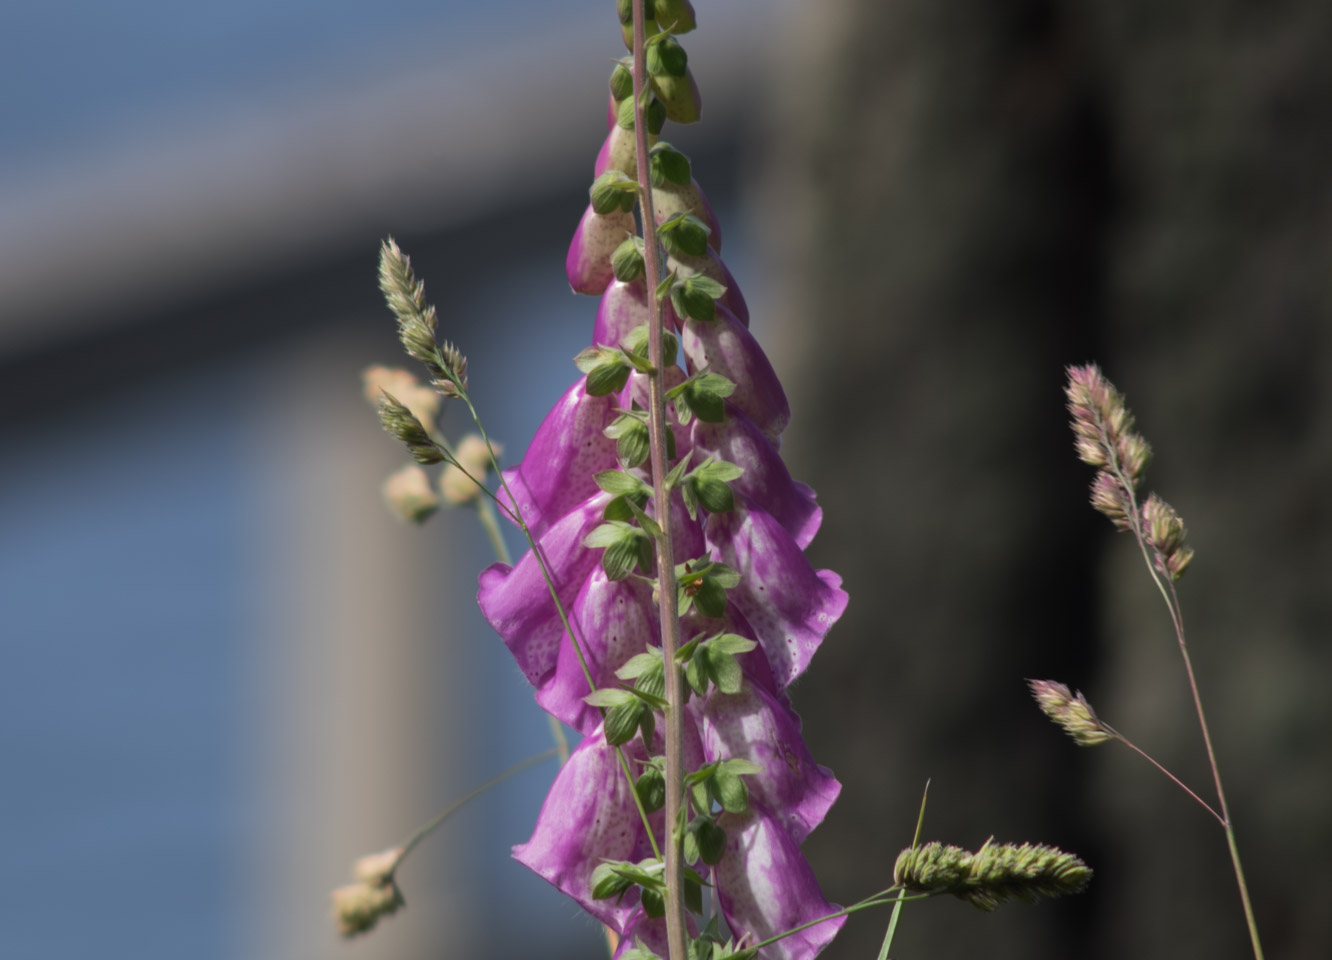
x,y
228,671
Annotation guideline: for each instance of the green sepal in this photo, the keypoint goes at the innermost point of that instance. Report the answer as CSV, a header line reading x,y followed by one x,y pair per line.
x,y
625,8
640,664
630,432
704,584
701,396
613,191
627,260
673,478
617,508
654,903
664,57
732,643
654,111
608,881
693,892
711,841
622,80
725,670
701,796
709,485
731,791
689,845
620,542
677,16
666,164
607,369
638,953
618,483
648,525
696,297
684,234
609,697
635,343
651,789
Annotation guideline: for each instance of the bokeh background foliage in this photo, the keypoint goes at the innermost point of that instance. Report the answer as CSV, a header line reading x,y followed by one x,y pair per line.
x,y
228,672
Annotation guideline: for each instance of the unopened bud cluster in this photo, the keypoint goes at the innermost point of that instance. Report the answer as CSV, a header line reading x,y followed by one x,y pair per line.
x,y
994,874
1104,438
358,906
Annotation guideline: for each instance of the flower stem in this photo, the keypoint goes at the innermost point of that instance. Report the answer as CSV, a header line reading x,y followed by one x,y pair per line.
x,y
1171,598
466,798
676,934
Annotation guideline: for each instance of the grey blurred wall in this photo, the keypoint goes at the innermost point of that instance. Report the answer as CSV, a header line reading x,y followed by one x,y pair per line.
x,y
964,197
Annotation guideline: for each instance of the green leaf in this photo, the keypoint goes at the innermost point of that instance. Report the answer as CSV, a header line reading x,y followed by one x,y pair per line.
x,y
607,697
622,721
711,841
650,526
696,297
651,789
608,882
704,394
702,797
619,483
654,904
690,497
631,435
740,766
732,643
710,598
689,847
693,895
617,509
696,676
732,793
673,478
640,664
621,557
607,534
725,671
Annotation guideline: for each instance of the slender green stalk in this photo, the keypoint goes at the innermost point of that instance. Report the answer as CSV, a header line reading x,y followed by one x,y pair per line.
x,y
1171,598
873,900
462,801
677,936
1152,760
901,894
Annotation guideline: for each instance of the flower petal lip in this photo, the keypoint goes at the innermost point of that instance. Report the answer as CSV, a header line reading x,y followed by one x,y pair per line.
x,y
516,601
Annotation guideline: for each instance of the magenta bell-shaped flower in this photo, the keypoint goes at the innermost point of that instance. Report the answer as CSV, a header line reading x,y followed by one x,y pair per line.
x,y
785,607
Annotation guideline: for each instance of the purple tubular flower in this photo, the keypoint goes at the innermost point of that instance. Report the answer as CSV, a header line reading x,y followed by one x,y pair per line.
x,y
766,887
614,620
588,263
755,726
789,606
568,450
623,308
672,198
765,480
517,602
589,817
725,346
710,265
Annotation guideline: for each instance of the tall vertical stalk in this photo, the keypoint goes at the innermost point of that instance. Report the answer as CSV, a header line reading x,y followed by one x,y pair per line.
x,y
676,936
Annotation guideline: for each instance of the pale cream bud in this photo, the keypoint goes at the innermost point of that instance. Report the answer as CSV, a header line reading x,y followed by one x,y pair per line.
x,y
457,487
357,907
377,868
409,494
